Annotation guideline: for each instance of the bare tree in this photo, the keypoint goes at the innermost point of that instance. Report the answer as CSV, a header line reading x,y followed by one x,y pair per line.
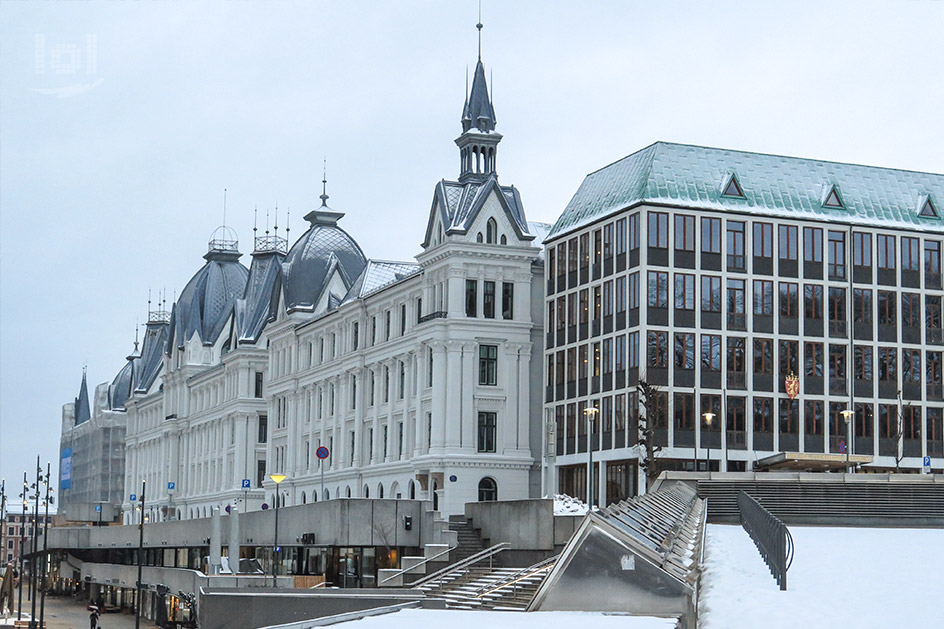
x,y
654,405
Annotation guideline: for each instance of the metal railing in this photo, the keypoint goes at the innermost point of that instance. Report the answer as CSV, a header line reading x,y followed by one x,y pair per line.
x,y
439,314
400,573
513,578
488,553
770,535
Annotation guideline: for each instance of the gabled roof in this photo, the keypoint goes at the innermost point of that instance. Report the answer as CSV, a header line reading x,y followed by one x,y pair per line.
x,y
787,187
460,203
377,275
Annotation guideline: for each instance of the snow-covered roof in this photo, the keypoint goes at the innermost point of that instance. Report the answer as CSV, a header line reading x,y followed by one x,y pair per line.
x,y
696,177
379,274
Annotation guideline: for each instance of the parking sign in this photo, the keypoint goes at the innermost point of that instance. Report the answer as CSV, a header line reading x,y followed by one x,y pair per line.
x,y
134,497
246,483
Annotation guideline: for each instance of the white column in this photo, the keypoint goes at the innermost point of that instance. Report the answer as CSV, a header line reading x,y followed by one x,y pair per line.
x,y
524,398
438,433
469,380
508,419
453,416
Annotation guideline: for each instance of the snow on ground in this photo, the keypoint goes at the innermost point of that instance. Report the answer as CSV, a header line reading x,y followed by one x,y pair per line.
x,y
841,577
565,505
457,619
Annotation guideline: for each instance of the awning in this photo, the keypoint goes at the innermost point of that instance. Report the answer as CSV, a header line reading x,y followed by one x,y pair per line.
x,y
811,461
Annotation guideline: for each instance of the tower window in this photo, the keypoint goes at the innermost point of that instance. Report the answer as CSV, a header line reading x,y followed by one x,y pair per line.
x,y
488,364
491,231
471,298
488,429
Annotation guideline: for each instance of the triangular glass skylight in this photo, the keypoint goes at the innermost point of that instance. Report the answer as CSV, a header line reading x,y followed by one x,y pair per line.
x,y
732,188
832,199
927,209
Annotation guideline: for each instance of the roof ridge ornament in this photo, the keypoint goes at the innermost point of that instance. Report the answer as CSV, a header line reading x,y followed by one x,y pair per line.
x,y
832,199
732,187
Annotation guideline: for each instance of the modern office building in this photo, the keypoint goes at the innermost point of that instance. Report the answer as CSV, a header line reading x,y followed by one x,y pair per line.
x,y
713,275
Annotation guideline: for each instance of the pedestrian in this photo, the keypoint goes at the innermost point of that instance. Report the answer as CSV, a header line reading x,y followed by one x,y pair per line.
x,y
6,589
93,617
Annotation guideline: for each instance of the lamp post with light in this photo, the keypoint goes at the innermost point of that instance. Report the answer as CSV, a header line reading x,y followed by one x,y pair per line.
x,y
276,478
590,412
847,415
708,417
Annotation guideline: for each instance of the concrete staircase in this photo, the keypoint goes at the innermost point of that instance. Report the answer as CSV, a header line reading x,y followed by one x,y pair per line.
x,y
482,587
468,540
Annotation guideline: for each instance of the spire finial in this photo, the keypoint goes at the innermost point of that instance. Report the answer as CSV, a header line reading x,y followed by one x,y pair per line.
x,y
276,219
255,220
324,183
479,26
224,207
136,325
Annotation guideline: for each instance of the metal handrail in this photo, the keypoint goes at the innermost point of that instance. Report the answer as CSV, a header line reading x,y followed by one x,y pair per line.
x,y
770,535
402,571
513,578
468,561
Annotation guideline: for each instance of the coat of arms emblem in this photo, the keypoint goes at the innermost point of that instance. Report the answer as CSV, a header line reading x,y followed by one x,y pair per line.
x,y
792,384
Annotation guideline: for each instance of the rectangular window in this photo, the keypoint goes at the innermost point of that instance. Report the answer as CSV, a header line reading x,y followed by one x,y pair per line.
x,y
886,308
710,352
737,354
572,255
634,231
763,240
658,349
684,350
659,230
508,300
354,335
910,254
419,304
620,295
260,472
658,289
684,291
711,235
736,297
633,350
402,319
862,356
632,291
861,249
932,257
685,411
386,330
373,335
402,382
837,305
888,364
471,298
257,392
789,357
488,431
488,306
684,233
862,305
608,239
910,310
736,244
886,251
621,236
488,364
910,366
263,429
813,360
789,300
788,242
353,391
584,251
608,299
812,244
837,255
764,356
710,293
764,298
763,414
813,301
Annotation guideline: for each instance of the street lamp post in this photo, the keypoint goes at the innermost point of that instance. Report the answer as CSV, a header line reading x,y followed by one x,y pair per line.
x,y
708,417
590,412
23,496
34,544
137,606
276,478
847,415
45,559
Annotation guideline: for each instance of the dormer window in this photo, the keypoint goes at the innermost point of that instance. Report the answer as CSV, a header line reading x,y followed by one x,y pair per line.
x,y
833,199
732,188
927,208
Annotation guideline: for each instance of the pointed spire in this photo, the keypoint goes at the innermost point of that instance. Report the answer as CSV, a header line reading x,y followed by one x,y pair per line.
x,y
324,183
479,26
82,413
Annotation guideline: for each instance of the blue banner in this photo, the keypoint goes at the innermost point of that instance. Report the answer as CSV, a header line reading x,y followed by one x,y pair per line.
x,y
65,469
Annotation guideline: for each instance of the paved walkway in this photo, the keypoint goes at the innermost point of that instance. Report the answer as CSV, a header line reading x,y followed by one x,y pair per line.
x,y
66,613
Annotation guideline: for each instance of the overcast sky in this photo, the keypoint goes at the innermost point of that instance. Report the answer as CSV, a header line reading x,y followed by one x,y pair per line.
x,y
122,122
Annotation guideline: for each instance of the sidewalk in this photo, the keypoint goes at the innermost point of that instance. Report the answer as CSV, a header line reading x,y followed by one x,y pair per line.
x,y
66,613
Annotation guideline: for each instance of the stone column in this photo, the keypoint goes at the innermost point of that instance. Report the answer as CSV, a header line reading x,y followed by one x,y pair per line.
x,y
453,417
524,399
438,432
469,380
508,419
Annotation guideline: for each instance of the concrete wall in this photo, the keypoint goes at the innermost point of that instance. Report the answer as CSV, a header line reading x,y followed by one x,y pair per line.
x,y
343,522
226,608
524,524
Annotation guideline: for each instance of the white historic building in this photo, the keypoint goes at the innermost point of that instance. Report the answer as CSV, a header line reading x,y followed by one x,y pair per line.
x,y
422,379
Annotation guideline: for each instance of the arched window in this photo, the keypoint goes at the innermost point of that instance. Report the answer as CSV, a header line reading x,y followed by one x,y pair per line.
x,y
491,231
435,497
395,490
488,490
348,491
380,490
327,495
412,491
504,240
366,491
303,498
314,496
478,237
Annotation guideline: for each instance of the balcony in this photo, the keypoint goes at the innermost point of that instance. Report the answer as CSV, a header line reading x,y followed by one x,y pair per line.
x,y
439,314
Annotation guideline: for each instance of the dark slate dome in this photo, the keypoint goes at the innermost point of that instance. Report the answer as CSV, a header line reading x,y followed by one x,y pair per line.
x,y
207,300
121,387
311,260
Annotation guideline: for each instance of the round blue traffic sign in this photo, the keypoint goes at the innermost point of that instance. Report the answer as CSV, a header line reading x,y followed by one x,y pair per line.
x,y
321,452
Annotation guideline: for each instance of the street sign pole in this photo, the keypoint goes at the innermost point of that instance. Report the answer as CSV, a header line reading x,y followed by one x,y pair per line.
x,y
322,454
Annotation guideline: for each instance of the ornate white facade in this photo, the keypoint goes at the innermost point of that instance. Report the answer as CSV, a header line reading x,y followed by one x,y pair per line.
x,y
422,379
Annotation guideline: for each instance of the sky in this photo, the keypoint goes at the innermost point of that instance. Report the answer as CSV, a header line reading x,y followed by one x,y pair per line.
x,y
121,124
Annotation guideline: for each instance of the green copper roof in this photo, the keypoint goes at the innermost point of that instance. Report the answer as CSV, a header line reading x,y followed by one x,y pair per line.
x,y
785,187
